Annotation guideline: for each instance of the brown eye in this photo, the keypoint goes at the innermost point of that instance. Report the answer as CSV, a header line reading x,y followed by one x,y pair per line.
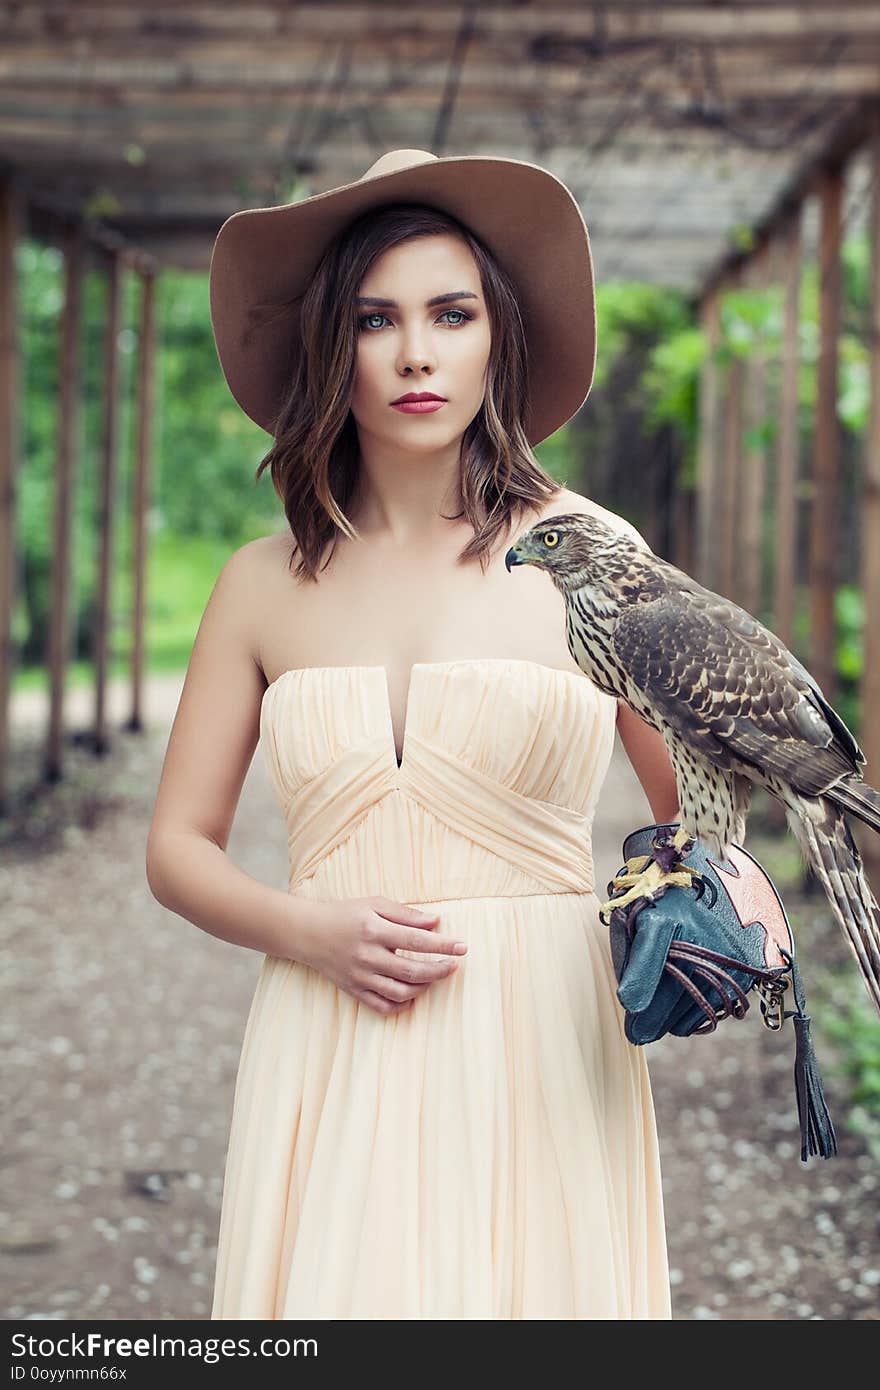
x,y
551,538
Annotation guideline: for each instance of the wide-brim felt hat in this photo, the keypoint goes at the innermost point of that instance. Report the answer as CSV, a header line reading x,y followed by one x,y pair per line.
x,y
524,215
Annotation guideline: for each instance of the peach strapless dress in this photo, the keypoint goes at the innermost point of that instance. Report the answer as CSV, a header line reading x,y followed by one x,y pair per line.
x,y
492,1151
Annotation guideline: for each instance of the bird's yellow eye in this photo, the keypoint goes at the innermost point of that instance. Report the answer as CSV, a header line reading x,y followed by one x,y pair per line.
x,y
551,538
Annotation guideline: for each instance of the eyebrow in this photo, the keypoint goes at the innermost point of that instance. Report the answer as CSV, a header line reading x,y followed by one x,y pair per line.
x,y
438,299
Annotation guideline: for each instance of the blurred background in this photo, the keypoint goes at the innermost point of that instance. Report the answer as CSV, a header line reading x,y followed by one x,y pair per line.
x,y
725,157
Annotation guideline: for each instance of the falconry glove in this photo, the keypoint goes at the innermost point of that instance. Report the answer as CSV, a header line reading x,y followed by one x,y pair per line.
x,y
688,953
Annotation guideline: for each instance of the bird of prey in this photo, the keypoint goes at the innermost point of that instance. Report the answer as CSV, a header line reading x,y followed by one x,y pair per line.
x,y
733,704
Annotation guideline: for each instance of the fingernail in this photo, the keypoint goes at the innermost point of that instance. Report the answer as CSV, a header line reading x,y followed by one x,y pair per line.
x,y
460,946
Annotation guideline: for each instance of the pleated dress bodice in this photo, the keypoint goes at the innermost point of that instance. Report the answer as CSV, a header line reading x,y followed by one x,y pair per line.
x,y
502,764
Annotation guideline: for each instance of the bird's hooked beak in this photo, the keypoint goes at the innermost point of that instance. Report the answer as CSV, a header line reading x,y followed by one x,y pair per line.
x,y
514,557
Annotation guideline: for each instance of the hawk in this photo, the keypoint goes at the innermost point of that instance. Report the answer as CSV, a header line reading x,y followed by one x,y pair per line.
x,y
733,705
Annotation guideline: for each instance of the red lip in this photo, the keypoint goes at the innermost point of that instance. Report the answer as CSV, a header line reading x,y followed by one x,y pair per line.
x,y
418,396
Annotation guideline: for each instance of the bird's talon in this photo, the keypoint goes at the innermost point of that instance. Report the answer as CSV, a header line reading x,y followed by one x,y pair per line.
x,y
648,876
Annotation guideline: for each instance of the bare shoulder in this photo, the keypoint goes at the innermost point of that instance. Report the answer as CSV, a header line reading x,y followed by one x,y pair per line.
x,y
216,727
259,563
237,589
576,502
264,554
254,576
227,645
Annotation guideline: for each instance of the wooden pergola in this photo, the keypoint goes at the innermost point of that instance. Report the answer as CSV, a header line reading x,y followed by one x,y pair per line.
x,y
709,145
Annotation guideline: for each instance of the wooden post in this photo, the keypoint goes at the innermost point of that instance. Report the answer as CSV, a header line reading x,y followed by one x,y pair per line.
x,y
826,457
781,402
683,526
787,440
726,522
750,499
103,598
869,726
142,493
11,221
708,454
673,503
731,460
68,417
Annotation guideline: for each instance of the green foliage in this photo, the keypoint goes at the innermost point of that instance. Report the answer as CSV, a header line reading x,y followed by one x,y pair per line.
x,y
671,380
852,1023
849,617
181,576
849,607
859,1030
40,286
630,316
205,450
209,450
656,326
557,455
652,327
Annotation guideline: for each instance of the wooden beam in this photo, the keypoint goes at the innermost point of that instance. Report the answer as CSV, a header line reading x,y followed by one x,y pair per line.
x,y
348,147
60,612
142,489
848,133
684,514
727,522
11,221
119,86
869,692
110,406
824,521
787,497
96,26
46,224
708,442
753,483
776,75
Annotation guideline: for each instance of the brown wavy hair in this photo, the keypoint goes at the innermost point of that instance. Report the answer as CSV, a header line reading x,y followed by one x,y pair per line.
x,y
314,457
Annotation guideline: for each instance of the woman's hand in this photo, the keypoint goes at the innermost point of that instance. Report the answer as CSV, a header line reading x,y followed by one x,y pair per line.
x,y
354,943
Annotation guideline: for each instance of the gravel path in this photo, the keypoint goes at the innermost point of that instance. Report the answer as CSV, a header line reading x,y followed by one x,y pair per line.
x,y
121,1029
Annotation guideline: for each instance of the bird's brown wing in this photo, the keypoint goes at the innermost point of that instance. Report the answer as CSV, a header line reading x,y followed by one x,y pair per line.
x,y
728,685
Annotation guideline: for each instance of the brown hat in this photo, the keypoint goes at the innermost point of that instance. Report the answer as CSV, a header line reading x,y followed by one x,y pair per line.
x,y
526,217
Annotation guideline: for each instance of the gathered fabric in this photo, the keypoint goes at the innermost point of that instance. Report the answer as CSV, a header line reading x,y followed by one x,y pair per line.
x,y
490,1152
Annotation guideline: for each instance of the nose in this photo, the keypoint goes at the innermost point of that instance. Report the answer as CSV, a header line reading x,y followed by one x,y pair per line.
x,y
415,352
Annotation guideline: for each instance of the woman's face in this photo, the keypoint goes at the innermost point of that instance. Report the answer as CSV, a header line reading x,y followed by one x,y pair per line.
x,y
407,344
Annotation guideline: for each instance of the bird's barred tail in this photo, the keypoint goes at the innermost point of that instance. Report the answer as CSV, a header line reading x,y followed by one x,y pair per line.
x,y
853,795
827,842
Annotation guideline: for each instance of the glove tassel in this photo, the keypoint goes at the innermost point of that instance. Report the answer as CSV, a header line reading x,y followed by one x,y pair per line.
x,y
817,1129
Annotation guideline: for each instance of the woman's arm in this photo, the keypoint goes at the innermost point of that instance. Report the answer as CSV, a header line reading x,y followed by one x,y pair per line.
x,y
646,751
210,748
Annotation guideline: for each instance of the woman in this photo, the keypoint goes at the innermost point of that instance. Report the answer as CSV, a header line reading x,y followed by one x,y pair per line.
x,y
437,1113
